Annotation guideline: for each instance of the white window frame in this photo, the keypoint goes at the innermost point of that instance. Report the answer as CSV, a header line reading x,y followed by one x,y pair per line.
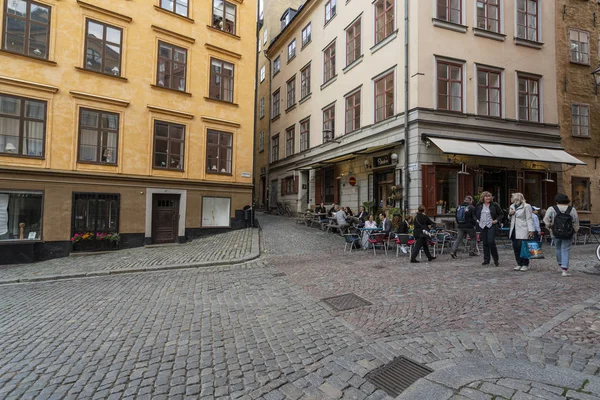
x,y
265,37
291,47
589,54
262,73
580,105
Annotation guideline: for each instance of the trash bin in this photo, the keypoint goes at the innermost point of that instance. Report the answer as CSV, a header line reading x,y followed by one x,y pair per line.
x,y
248,216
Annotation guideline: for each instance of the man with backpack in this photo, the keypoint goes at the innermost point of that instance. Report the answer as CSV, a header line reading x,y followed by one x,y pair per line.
x,y
465,219
563,222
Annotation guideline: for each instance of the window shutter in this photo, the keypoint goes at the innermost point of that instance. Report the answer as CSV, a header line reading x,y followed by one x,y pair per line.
x,y
319,186
465,188
283,187
428,190
296,184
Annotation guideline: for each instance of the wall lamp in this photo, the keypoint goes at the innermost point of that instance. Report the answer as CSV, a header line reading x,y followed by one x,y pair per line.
x,y
548,177
596,75
368,164
427,143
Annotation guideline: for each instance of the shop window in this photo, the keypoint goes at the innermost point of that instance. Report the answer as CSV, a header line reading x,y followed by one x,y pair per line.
x,y
95,213
443,189
581,193
216,211
20,210
329,186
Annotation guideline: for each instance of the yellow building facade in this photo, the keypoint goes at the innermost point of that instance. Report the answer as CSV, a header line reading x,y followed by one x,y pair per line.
x,y
123,117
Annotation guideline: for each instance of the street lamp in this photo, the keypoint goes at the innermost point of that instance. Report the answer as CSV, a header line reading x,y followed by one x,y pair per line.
x,y
596,75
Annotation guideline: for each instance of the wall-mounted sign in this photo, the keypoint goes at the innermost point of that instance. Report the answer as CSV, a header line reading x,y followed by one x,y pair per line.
x,y
382,161
246,175
352,181
413,167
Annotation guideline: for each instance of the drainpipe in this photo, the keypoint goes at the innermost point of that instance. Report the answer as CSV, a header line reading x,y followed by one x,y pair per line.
x,y
268,145
256,83
406,141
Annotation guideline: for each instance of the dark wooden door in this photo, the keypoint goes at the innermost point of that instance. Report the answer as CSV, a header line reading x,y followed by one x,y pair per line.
x,y
165,218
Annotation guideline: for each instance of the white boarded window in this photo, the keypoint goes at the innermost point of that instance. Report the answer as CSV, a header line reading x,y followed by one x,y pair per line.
x,y
216,211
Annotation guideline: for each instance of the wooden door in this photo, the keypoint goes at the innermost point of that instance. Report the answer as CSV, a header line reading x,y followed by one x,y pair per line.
x,y
165,218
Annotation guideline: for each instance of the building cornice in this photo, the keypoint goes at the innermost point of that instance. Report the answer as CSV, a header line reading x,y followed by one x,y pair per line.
x,y
168,111
28,84
98,98
221,50
173,34
104,11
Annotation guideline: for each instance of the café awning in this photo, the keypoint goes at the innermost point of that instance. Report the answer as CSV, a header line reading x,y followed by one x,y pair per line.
x,y
497,150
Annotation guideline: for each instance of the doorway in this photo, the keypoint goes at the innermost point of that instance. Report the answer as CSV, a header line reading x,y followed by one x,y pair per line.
x,y
165,218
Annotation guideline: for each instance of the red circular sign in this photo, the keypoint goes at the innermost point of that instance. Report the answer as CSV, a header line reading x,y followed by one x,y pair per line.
x,y
352,181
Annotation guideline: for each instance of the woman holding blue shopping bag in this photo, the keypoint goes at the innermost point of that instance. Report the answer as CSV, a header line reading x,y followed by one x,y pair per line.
x,y
521,228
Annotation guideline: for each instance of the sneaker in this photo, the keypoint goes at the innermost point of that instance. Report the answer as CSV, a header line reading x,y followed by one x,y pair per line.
x,y
453,255
517,268
565,273
524,268
403,248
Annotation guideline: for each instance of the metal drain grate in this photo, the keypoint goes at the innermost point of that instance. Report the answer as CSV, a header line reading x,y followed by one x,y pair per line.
x,y
346,302
396,376
278,274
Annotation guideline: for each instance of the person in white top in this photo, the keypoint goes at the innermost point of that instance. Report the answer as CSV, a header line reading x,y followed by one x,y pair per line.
x,y
521,228
370,223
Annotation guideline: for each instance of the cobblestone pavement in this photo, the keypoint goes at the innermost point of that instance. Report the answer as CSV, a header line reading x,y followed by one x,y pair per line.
x,y
261,330
223,247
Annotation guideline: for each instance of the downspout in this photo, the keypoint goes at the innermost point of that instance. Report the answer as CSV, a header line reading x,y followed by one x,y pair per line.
x,y
268,145
406,141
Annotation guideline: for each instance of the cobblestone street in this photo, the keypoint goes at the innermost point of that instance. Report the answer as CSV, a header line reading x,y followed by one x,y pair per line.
x,y
261,330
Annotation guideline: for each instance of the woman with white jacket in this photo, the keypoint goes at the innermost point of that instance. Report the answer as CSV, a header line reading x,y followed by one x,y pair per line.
x,y
521,228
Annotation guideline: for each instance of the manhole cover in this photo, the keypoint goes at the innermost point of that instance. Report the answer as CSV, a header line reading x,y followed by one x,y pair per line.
x,y
395,377
346,302
278,274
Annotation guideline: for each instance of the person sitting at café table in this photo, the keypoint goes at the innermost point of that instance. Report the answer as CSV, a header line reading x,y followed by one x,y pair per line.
x,y
348,211
404,229
371,224
321,209
386,224
340,217
332,210
362,214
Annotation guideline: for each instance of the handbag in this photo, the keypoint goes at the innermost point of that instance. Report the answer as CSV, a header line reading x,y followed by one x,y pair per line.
x,y
524,249
535,250
423,230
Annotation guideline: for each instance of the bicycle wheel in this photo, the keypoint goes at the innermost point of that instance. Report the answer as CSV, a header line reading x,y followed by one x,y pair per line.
x,y
598,252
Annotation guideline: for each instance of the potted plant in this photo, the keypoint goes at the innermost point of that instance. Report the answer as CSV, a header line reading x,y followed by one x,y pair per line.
x,y
83,241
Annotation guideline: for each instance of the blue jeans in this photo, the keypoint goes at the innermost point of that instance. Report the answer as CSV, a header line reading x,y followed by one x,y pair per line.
x,y
563,248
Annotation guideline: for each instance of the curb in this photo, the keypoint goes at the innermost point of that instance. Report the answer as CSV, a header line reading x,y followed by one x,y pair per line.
x,y
254,254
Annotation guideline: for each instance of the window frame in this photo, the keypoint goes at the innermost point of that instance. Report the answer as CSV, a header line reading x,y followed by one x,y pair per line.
x,y
262,73
352,38
376,95
449,81
306,35
529,78
383,15
265,37
305,79
171,61
174,10
527,14
219,146
104,45
332,5
329,117
22,120
489,88
27,229
329,55
94,198
169,140
276,65
290,141
275,105
220,85
486,18
575,199
99,131
261,141
275,148
579,42
305,134
225,3
580,125
351,111
291,50
291,92
261,107
447,6
27,35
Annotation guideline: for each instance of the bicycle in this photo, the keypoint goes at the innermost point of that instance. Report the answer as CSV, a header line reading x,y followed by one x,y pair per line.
x,y
283,209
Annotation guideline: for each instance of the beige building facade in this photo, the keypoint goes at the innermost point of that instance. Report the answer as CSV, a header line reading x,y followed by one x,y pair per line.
x,y
479,95
123,118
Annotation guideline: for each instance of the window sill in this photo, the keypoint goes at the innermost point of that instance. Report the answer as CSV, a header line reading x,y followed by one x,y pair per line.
x,y
208,171
27,57
290,108
305,98
330,19
440,23
451,113
91,71
275,118
329,82
276,72
261,151
4,154
353,64
528,43
491,118
170,90
579,63
224,33
97,163
385,41
581,136
221,101
183,17
154,167
291,59
489,34
261,117
531,123
305,44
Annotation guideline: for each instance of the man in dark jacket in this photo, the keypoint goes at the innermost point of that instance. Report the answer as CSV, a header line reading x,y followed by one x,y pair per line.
x,y
489,215
465,218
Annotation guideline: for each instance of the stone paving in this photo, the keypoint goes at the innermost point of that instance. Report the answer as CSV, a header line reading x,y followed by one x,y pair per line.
x,y
236,245
260,330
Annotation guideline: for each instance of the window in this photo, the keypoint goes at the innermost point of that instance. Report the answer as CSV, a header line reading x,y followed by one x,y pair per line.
x,y
27,28
330,10
223,16
103,48
216,211
305,81
221,80
22,126
265,36
261,142
329,63
489,92
219,152
276,100
292,50
580,120
353,112
275,148
291,92
581,193
450,10
177,6
384,97
290,141
17,208
527,20
169,141
289,185
488,15
276,65
306,34
98,136
329,123
262,107
579,47
259,44
449,86
304,134
171,66
529,98
353,48
262,73
96,213
384,19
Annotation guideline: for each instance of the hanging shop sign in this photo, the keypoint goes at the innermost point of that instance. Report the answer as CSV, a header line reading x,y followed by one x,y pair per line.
x,y
382,161
352,181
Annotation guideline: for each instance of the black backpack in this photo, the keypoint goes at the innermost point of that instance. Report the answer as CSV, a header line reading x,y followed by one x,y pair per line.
x,y
562,226
461,214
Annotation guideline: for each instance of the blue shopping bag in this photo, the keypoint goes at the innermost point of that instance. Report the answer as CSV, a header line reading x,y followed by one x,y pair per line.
x,y
524,249
535,250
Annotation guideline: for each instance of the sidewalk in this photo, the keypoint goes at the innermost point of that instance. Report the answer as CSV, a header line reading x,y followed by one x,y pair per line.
x,y
226,248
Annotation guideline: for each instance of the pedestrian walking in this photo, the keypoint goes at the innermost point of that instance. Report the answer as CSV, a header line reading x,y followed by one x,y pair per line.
x,y
488,214
465,219
521,228
563,222
422,226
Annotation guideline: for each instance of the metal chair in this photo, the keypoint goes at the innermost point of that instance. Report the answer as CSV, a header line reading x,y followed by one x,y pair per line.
x,y
378,239
350,239
404,239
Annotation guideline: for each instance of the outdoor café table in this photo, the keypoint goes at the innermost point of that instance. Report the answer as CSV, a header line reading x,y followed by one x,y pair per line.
x,y
319,217
366,231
